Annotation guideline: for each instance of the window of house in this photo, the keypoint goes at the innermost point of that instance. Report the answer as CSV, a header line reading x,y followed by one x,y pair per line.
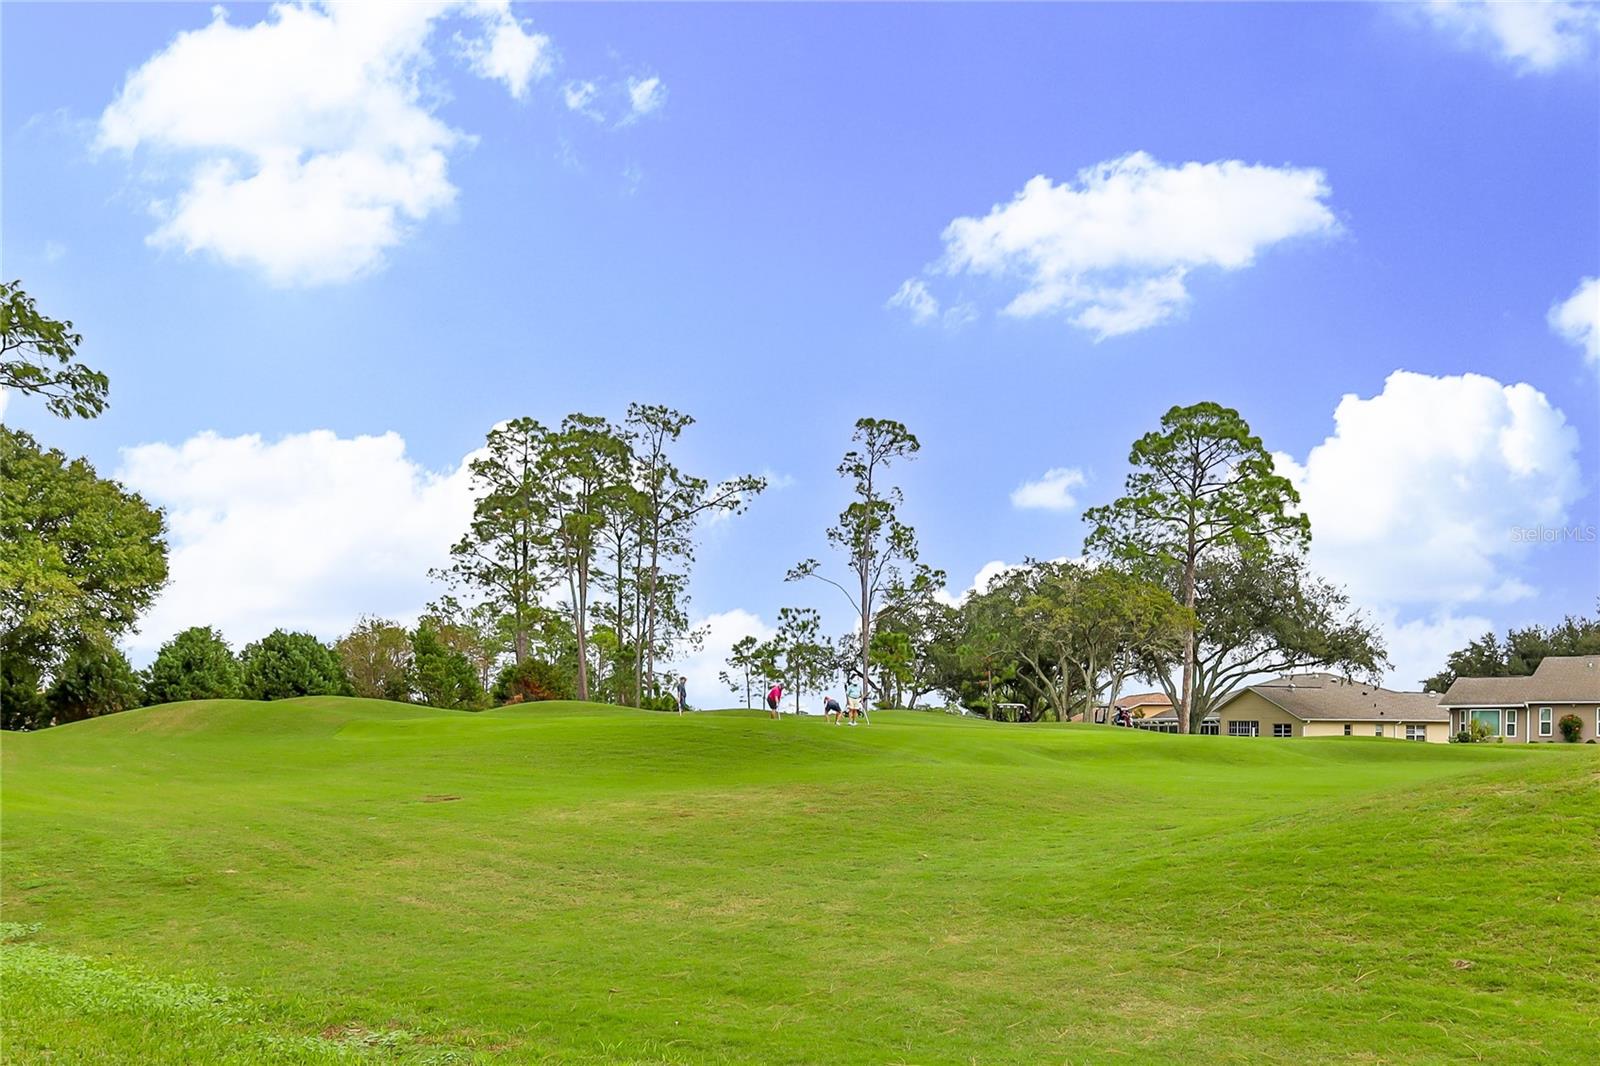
x,y
1546,722
1416,732
1282,729
1511,723
1208,728
1488,718
1244,729
1377,730
1347,729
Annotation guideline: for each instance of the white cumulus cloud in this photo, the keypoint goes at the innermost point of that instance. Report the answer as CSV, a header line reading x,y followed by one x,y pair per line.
x,y
987,573
1052,492
722,631
645,96
1419,647
1112,249
1577,318
308,142
917,301
1535,36
1417,498
305,532
580,96
506,51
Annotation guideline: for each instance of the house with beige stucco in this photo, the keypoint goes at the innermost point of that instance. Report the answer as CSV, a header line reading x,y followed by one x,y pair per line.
x,y
1327,705
1139,705
1528,710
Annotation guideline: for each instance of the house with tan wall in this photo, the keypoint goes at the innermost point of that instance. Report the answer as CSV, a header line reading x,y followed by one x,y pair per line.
x,y
1139,705
1326,705
1528,710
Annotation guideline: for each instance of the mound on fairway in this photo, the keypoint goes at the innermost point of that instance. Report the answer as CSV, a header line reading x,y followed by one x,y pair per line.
x,y
345,880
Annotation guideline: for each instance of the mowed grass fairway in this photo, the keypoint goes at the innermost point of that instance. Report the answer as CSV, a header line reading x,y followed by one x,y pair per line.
x,y
345,880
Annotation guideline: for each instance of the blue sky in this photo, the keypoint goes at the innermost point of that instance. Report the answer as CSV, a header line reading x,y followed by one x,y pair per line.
x,y
544,209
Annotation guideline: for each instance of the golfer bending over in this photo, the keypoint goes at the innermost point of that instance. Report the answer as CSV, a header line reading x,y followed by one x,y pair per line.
x,y
830,709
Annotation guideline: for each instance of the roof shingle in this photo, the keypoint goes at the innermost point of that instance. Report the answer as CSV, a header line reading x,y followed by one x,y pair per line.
x,y
1328,697
1559,679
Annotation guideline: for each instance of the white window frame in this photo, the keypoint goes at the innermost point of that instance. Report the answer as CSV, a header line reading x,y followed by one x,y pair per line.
x,y
1377,730
1286,727
1416,731
1547,722
1511,721
1348,729
1240,727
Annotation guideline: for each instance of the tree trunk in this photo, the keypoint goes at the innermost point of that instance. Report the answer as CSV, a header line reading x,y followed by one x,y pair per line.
x,y
580,629
650,599
1188,640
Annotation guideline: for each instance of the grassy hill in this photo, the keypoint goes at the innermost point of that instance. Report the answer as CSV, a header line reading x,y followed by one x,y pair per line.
x,y
334,880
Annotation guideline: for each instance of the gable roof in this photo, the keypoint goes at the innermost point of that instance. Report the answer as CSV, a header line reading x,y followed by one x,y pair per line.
x,y
1330,698
1559,679
1143,699
1163,712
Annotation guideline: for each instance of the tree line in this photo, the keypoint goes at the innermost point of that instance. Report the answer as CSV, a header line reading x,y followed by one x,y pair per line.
x,y
1195,577
572,581
587,530
1520,652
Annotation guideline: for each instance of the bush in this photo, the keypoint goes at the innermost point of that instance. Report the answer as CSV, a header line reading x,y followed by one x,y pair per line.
x,y
1571,727
21,702
376,656
530,682
442,677
96,679
197,664
661,701
283,665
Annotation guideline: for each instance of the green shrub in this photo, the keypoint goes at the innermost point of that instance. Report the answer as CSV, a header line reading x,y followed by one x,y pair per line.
x,y
283,665
21,701
442,676
197,664
96,679
1571,727
530,682
661,701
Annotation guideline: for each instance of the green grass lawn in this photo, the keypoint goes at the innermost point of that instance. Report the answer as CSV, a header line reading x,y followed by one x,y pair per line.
x,y
330,880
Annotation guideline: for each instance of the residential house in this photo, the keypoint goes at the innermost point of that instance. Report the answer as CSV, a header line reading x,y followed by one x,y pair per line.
x,y
1528,709
1153,712
1326,705
1139,704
